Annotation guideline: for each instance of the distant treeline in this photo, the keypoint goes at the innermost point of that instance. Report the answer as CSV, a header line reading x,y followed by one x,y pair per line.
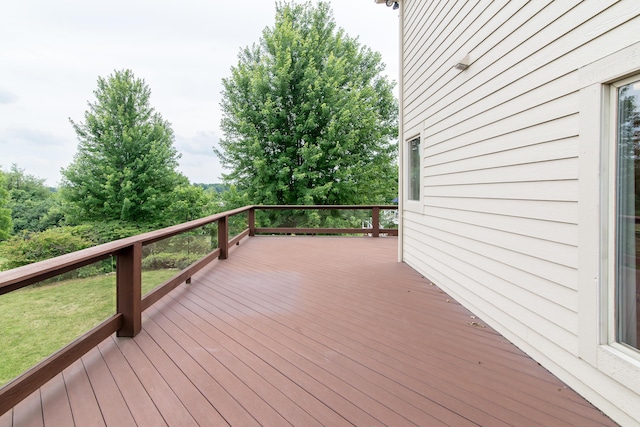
x,y
220,188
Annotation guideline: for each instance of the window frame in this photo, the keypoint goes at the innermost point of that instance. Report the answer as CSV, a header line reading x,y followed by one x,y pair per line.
x,y
612,102
409,204
410,169
596,339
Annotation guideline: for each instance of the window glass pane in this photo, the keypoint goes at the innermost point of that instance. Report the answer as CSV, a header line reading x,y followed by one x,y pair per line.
x,y
628,215
414,169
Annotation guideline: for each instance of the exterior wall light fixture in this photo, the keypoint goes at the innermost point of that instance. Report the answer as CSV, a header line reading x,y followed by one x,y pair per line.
x,y
463,64
389,3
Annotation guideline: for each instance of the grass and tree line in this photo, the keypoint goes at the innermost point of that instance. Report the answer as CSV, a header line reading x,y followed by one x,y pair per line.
x,y
308,118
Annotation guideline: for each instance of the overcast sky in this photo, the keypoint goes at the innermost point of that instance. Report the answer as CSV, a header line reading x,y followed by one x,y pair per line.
x,y
52,52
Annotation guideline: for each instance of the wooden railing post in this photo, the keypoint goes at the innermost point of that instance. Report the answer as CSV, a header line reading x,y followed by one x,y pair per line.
x,y
375,221
223,237
129,289
251,219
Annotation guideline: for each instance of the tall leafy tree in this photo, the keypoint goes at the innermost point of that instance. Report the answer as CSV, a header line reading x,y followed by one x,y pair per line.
x,y
5,213
126,162
308,117
188,202
32,203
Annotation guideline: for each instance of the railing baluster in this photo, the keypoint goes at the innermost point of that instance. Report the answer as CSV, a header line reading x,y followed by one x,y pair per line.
x,y
129,289
251,219
223,237
375,219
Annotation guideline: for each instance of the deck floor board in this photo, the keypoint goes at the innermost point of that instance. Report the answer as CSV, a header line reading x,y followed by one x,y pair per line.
x,y
282,408
230,410
139,402
299,354
163,394
322,351
307,331
280,383
347,353
112,405
28,413
84,406
212,356
55,403
6,419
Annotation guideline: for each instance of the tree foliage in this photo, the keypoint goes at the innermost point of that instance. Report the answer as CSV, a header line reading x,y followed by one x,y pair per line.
x,y
308,118
187,202
25,186
5,213
34,206
28,247
217,188
126,163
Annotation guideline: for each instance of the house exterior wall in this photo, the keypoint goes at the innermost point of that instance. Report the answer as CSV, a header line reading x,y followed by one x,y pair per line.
x,y
512,217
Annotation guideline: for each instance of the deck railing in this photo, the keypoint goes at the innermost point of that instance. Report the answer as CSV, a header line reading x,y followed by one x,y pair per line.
x,y
127,321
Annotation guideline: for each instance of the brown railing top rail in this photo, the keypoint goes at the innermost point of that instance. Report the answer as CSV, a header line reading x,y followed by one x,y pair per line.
x,y
328,207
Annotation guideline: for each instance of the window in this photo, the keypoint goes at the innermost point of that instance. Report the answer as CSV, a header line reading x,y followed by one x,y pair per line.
x,y
606,259
413,169
626,100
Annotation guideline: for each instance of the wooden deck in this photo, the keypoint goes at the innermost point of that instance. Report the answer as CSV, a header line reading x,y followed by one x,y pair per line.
x,y
307,331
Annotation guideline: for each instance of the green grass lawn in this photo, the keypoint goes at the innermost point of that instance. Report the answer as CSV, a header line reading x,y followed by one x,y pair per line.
x,y
37,321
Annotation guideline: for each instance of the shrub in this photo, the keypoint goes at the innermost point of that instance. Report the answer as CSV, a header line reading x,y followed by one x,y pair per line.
x,y
29,247
164,260
108,231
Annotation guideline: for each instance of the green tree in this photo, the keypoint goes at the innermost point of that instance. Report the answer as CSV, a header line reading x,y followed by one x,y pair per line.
x,y
188,202
31,202
308,118
126,162
5,213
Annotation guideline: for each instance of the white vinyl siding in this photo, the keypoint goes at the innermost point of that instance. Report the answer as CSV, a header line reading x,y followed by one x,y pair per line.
x,y
498,226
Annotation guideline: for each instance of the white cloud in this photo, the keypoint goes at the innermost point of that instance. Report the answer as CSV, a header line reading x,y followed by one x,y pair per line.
x,y
7,97
45,153
198,160
201,143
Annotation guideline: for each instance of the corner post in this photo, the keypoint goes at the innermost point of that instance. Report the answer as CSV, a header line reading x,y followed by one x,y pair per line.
x,y
375,220
223,237
129,289
251,218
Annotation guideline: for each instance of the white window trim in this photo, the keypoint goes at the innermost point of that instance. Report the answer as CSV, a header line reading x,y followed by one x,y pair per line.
x,y
412,205
610,101
596,330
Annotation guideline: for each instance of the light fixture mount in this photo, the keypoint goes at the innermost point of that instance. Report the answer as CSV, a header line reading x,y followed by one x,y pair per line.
x,y
463,64
390,3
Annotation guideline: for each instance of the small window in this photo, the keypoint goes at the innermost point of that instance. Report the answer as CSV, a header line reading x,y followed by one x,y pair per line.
x,y
627,217
413,192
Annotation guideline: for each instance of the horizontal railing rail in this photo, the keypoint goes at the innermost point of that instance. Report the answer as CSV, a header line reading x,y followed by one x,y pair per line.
x,y
127,321
375,230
